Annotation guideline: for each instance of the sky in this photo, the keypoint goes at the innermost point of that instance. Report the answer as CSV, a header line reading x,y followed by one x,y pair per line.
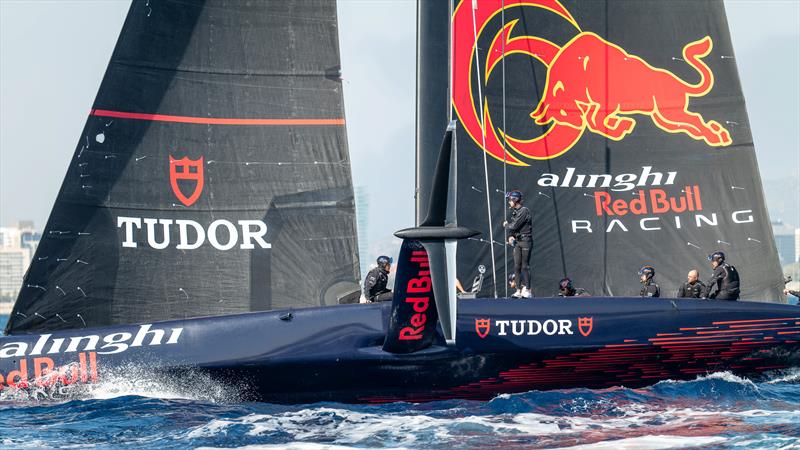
x,y
53,54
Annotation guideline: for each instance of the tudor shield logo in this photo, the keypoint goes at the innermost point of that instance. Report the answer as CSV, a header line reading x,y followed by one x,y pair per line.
x,y
585,325
482,327
186,173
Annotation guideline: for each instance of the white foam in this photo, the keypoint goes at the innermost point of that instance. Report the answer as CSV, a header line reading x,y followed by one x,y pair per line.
x,y
296,446
657,442
790,376
729,377
138,382
134,380
344,427
723,376
770,441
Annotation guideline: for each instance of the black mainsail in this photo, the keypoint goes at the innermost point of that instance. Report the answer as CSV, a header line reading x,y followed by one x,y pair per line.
x,y
212,175
622,121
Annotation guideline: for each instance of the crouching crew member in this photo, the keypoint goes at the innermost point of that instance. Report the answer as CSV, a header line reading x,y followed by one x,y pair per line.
x,y
566,289
649,286
375,283
724,282
520,230
693,288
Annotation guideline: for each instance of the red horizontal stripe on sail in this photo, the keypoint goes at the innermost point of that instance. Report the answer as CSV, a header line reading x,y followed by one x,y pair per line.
x,y
212,120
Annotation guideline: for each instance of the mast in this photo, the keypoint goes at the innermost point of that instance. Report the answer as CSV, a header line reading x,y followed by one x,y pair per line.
x,y
433,100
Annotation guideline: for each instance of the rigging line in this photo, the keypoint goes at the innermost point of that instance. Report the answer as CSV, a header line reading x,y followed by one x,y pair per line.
x,y
483,139
505,166
450,63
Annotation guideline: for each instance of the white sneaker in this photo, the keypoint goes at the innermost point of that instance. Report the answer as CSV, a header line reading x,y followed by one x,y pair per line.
x,y
526,293
517,294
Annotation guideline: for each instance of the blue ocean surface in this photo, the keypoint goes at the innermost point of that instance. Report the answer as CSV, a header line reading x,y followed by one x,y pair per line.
x,y
716,411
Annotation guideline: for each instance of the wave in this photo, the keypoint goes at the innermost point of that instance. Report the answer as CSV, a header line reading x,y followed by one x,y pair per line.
x,y
718,410
788,376
677,427
294,446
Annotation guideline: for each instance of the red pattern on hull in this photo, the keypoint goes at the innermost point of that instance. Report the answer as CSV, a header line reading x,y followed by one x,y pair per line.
x,y
681,355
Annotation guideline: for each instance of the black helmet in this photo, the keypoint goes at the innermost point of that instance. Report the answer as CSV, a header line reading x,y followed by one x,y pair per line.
x,y
717,256
514,195
512,278
384,260
648,271
565,285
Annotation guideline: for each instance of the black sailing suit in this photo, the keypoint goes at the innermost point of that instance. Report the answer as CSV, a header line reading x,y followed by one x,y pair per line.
x,y
521,227
650,289
689,290
375,285
577,292
724,283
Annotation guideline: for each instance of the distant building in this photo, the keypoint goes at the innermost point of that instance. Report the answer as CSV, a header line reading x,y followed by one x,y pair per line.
x,y
13,264
10,237
29,238
785,241
17,247
362,223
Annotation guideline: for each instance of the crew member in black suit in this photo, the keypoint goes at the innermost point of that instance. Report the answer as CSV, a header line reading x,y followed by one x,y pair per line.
x,y
693,288
375,283
724,282
520,237
566,289
649,286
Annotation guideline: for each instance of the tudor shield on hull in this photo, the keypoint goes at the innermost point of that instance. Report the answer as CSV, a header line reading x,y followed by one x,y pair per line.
x,y
624,124
212,176
503,346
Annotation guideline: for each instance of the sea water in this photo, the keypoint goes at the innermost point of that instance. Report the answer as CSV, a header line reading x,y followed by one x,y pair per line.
x,y
714,411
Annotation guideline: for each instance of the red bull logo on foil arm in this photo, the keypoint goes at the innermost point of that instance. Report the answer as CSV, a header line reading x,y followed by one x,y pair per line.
x,y
592,84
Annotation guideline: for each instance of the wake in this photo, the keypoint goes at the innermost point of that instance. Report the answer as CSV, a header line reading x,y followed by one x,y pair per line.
x,y
131,380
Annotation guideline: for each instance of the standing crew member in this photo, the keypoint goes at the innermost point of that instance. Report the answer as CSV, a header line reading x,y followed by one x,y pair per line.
x,y
649,286
375,283
724,282
693,288
520,237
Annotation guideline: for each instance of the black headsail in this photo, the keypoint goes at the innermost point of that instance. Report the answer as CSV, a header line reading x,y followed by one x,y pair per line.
x,y
624,124
212,176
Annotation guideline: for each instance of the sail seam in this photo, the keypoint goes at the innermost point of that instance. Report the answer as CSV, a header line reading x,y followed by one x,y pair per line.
x,y
324,73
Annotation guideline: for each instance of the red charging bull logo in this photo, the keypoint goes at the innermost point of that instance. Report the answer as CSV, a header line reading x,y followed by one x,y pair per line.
x,y
592,84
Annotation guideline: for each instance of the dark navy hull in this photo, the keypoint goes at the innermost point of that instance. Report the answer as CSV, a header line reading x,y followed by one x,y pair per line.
x,y
503,346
